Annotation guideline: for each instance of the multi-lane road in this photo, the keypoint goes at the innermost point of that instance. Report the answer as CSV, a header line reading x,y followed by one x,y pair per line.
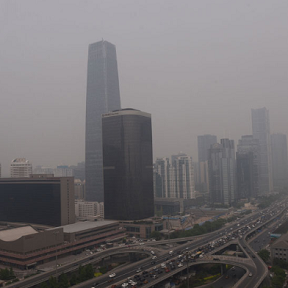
x,y
122,273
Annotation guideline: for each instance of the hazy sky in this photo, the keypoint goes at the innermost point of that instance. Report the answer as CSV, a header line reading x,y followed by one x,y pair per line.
x,y
197,66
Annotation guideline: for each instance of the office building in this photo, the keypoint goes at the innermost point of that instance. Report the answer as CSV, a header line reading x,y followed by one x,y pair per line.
x,y
204,143
261,131
102,96
162,172
89,209
279,160
174,179
221,166
128,165
248,160
79,189
38,199
20,167
183,176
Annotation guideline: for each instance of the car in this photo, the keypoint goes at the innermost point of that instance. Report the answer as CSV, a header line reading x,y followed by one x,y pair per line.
x,y
227,276
180,265
112,275
125,284
154,257
110,280
250,275
138,270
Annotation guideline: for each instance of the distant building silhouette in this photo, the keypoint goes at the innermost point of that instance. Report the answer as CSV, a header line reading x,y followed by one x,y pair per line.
x,y
128,165
102,96
279,160
221,165
204,143
261,131
248,161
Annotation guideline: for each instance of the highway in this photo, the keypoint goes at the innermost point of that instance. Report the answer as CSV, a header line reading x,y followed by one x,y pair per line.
x,y
123,273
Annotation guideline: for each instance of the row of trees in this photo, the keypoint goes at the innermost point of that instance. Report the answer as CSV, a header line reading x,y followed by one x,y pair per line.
x,y
84,273
199,230
7,274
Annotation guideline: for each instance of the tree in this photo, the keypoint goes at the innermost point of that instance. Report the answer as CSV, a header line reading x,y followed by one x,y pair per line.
x,y
63,281
264,254
53,282
156,235
73,280
44,285
89,271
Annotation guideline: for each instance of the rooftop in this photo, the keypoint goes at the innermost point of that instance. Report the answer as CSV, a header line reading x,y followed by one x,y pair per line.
x,y
16,233
81,226
281,242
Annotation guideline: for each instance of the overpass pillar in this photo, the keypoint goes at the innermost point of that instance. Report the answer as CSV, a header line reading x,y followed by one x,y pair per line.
x,y
223,269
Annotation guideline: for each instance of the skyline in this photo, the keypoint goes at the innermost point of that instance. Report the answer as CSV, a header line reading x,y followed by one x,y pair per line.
x,y
207,67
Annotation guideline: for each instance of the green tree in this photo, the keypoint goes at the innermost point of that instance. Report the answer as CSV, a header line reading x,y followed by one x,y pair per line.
x,y
53,282
44,285
264,254
63,281
89,271
156,235
73,280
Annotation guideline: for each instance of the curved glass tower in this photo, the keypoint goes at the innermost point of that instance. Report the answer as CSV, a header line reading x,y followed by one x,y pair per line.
x,y
102,96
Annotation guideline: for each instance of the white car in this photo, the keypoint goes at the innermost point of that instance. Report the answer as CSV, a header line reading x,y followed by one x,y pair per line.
x,y
154,257
125,284
180,265
112,275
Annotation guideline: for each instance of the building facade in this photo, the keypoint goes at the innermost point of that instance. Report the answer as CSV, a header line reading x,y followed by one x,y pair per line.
x,y
248,160
89,209
102,96
38,199
174,179
204,143
279,160
128,165
261,131
183,177
20,167
221,167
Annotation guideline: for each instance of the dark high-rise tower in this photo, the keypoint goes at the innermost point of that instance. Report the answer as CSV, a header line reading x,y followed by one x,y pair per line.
x,y
221,165
127,165
248,160
279,160
261,131
102,96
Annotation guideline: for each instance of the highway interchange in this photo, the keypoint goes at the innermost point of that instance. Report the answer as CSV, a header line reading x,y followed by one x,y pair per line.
x,y
256,267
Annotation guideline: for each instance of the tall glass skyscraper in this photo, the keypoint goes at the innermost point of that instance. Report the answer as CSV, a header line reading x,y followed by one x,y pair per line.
x,y
102,96
261,131
128,165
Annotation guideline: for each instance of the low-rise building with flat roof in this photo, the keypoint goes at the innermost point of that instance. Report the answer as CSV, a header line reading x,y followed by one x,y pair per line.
x,y
28,246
